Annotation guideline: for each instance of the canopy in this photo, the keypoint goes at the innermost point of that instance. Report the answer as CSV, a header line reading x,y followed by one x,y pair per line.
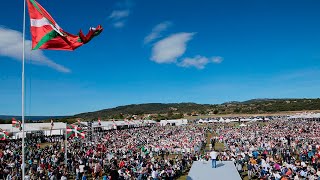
x,y
243,125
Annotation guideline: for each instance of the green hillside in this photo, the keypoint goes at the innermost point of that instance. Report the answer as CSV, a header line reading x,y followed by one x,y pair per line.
x,y
158,111
172,110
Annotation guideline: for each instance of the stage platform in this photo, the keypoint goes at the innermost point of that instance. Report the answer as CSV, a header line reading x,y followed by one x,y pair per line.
x,y
202,170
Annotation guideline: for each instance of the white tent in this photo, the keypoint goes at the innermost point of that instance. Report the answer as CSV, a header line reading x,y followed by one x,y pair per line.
x,y
57,129
243,125
234,120
174,122
246,120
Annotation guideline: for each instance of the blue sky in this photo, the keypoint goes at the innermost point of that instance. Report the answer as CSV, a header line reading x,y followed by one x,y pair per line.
x,y
202,51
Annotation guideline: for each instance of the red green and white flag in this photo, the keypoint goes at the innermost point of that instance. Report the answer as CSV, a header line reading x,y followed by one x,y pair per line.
x,y
70,132
47,34
3,135
16,124
74,131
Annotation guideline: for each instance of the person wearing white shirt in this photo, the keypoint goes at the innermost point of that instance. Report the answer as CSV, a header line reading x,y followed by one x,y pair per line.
x,y
81,170
27,177
213,155
276,175
155,174
63,177
303,173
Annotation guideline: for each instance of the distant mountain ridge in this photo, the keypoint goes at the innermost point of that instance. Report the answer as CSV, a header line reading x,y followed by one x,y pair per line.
x,y
178,110
233,107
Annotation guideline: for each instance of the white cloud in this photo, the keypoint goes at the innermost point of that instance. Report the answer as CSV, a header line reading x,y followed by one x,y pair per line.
x,y
120,14
119,24
169,49
217,59
199,62
11,46
156,31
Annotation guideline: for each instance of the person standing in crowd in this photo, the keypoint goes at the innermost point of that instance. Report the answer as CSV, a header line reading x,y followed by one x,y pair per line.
x,y
250,169
213,141
114,173
155,174
214,155
97,170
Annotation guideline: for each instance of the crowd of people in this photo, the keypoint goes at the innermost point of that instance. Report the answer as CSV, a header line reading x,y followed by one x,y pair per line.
x,y
278,150
153,152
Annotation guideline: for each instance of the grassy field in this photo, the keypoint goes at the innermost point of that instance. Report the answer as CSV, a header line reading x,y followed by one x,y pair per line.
x,y
183,177
43,145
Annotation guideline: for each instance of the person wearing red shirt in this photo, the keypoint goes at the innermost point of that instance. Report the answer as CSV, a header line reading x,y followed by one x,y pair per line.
x,y
121,164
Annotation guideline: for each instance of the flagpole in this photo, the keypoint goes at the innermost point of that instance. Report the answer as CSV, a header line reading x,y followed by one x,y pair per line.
x,y
65,146
22,84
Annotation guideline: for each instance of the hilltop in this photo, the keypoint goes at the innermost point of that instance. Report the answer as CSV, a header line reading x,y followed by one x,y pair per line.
x,y
160,111
177,110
